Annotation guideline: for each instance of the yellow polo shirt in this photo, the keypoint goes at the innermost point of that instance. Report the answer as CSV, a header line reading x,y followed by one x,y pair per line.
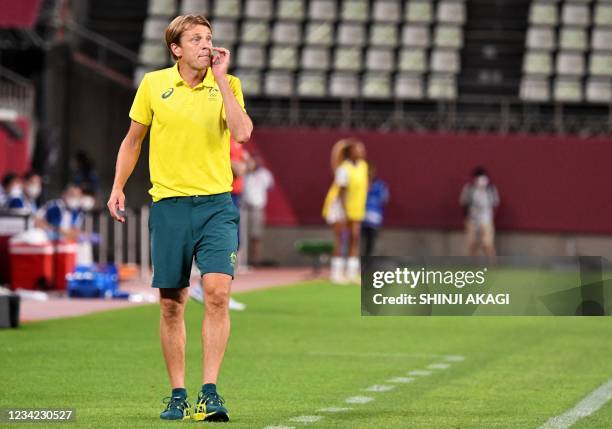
x,y
356,191
190,140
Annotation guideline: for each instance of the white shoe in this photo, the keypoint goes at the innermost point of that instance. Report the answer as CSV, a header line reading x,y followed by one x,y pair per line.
x,y
195,292
235,305
338,279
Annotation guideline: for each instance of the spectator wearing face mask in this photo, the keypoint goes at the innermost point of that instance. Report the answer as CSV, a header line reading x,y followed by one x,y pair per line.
x,y
62,218
479,198
31,190
13,189
88,199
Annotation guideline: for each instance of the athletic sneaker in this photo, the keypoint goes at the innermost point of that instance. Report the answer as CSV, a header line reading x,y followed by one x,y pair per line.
x,y
177,408
195,292
210,408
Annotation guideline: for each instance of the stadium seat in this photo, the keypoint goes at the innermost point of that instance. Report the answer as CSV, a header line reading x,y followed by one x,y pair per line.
x,y
383,35
541,38
601,39
283,57
444,61
154,28
441,87
451,11
347,58
290,9
351,34
227,9
279,83
573,39
537,63
543,13
419,11
387,11
412,60
378,59
287,32
259,9
195,7
312,84
535,88
319,33
603,14
570,64
315,58
408,87
354,10
448,36
255,32
162,8
599,90
376,86
250,81
600,64
322,10
567,90
153,53
415,35
576,14
251,56
225,31
344,85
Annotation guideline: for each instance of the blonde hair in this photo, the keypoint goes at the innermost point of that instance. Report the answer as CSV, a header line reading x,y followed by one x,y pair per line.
x,y
340,151
180,24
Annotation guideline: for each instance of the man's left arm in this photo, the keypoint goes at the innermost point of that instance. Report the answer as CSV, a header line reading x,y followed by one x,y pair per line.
x,y
238,121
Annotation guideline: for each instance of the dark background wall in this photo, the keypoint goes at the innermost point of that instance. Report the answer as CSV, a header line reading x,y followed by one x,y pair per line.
x,y
546,183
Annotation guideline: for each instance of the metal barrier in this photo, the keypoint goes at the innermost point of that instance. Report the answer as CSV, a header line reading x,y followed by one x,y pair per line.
x,y
121,243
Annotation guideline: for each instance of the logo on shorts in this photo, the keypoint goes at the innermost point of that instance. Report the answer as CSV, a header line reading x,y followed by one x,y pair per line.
x,y
168,93
233,259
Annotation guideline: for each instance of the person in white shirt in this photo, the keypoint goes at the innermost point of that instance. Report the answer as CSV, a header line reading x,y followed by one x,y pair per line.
x,y
257,183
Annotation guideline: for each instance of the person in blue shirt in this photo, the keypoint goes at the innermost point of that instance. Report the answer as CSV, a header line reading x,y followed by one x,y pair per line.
x,y
63,217
378,197
32,187
13,189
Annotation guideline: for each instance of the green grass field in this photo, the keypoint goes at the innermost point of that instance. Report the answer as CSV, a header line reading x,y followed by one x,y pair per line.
x,y
302,348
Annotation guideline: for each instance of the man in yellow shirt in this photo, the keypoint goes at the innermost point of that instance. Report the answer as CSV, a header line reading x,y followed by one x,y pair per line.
x,y
191,110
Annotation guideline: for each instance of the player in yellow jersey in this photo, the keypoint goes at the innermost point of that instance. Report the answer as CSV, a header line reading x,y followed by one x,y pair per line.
x,y
344,207
191,109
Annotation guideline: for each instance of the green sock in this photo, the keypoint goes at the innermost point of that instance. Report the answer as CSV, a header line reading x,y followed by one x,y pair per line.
x,y
209,388
179,391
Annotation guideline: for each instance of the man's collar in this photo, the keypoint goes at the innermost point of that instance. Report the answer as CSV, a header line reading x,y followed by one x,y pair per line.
x,y
209,78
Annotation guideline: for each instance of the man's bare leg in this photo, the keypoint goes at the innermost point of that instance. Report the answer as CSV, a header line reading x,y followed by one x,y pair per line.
x,y
172,333
216,324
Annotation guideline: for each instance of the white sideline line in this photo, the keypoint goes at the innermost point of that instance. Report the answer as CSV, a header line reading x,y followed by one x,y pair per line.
x,y
419,373
589,405
400,380
374,354
334,409
379,388
306,419
279,427
358,400
454,358
438,366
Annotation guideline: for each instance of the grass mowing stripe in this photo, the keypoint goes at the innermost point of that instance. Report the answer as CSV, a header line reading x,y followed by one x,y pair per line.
x,y
589,405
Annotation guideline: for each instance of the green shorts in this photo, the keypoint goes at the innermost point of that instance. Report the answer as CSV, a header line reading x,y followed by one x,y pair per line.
x,y
181,228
